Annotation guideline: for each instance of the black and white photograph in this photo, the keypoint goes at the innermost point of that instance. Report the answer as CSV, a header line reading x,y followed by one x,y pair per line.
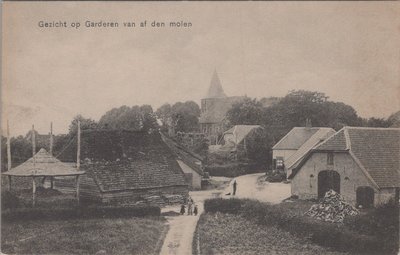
x,y
200,128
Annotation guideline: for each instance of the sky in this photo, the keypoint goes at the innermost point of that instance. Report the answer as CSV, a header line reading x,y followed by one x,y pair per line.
x,y
348,50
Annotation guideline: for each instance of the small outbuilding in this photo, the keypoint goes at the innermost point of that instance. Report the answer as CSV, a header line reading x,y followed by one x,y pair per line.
x,y
43,165
296,143
360,163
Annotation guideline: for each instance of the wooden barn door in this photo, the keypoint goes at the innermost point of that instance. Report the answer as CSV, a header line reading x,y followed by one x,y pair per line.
x,y
327,180
365,196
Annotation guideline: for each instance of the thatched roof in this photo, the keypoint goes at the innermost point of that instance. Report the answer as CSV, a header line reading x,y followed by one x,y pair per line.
x,y
43,164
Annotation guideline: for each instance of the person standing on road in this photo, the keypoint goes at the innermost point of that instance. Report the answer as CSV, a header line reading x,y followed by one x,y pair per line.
x,y
190,203
234,187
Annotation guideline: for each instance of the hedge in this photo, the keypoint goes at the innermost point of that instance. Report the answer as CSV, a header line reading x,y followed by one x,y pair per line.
x,y
233,170
339,237
79,213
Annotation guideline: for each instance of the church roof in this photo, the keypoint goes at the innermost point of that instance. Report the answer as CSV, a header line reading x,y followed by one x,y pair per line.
x,y
215,90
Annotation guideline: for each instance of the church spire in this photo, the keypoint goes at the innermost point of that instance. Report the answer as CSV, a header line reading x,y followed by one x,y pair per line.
x,y
215,90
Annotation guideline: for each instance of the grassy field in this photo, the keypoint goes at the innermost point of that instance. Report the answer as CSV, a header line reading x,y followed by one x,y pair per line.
x,y
103,236
232,234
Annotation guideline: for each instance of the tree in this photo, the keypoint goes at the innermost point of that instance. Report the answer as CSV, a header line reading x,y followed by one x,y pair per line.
x,y
129,118
85,123
164,113
246,112
182,115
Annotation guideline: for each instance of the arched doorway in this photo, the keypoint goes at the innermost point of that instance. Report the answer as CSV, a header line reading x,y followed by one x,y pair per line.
x,y
328,179
365,196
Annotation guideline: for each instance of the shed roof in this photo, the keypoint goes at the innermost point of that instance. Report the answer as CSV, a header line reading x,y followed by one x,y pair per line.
x,y
297,137
376,150
241,131
43,164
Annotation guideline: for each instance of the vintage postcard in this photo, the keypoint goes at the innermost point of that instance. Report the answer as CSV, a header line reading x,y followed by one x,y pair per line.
x,y
200,127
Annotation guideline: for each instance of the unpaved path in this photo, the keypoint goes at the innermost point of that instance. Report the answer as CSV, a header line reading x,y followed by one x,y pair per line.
x,y
249,187
181,228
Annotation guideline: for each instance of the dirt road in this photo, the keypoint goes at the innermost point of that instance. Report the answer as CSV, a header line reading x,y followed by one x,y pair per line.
x,y
181,228
248,186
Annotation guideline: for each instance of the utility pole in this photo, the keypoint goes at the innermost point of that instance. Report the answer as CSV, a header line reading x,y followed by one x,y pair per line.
x,y
33,141
8,155
51,138
78,154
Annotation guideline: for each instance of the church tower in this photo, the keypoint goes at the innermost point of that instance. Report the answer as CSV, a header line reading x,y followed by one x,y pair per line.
x,y
215,91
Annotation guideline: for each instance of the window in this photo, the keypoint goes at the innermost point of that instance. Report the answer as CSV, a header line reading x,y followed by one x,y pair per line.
x,y
330,159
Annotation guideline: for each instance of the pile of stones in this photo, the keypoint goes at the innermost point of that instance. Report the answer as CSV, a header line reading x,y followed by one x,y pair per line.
x,y
332,208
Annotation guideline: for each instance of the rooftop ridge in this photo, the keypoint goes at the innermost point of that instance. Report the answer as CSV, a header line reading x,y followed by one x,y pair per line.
x,y
373,128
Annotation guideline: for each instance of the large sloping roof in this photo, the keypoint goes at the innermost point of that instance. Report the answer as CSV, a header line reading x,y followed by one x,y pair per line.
x,y
127,160
315,139
296,138
376,149
183,154
241,131
215,90
43,164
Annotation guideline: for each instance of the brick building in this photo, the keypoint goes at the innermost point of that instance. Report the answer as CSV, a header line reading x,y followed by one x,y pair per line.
x,y
360,163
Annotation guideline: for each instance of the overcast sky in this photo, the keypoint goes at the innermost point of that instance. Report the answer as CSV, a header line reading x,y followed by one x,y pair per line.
x,y
349,50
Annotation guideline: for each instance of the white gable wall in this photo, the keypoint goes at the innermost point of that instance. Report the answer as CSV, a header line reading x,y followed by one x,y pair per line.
x,y
282,153
351,177
196,178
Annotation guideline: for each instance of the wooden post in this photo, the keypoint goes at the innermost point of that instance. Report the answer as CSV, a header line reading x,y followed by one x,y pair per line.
x,y
51,138
33,141
8,148
8,155
77,189
52,182
9,183
33,191
78,154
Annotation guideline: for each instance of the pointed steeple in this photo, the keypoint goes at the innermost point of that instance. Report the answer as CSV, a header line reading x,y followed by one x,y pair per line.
x,y
215,90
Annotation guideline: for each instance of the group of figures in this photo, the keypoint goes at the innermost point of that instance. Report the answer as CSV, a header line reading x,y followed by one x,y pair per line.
x,y
191,207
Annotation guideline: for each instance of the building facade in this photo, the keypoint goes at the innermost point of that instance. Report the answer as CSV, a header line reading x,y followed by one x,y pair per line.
x,y
362,164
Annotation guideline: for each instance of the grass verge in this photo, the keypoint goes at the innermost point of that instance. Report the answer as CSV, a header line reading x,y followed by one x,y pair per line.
x,y
90,236
382,237
233,234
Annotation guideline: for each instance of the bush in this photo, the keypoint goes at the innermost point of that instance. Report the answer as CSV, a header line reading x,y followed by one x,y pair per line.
x,y
382,222
325,234
232,170
232,205
275,177
9,200
81,212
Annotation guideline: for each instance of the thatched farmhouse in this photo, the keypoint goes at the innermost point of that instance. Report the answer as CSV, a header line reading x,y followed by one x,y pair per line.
x,y
293,146
360,163
214,108
128,167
